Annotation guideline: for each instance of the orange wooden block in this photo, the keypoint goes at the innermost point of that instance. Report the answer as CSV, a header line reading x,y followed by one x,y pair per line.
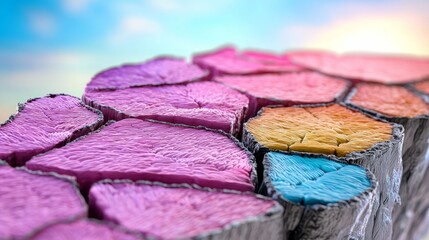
x,y
391,101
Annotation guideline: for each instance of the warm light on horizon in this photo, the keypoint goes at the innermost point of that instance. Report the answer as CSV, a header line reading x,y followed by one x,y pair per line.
x,y
387,34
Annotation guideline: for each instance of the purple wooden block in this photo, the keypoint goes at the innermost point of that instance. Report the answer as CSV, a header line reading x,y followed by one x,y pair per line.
x,y
31,201
141,150
158,71
44,123
228,61
207,104
184,212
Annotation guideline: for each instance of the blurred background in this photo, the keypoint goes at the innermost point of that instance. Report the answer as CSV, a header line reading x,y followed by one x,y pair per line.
x,y
56,46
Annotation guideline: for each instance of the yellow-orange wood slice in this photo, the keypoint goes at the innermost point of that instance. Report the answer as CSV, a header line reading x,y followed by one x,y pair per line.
x,y
391,101
332,129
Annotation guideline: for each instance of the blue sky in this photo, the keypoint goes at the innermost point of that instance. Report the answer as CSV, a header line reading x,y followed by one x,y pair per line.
x,y
149,27
56,46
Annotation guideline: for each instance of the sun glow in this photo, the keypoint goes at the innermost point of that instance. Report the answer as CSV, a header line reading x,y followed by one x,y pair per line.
x,y
388,34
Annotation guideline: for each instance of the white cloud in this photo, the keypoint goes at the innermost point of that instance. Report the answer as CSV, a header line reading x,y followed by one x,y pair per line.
x,y
6,110
76,6
187,6
37,73
42,23
138,25
56,71
42,59
31,83
134,27
166,5
55,79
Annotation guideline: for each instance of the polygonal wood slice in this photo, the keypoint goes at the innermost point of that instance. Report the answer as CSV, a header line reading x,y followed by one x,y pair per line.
x,y
141,150
44,123
207,104
185,212
227,61
286,89
158,71
323,199
31,201
365,67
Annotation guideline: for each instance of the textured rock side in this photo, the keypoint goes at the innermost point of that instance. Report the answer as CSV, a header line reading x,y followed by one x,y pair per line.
x,y
286,89
194,212
364,67
420,222
158,71
31,201
44,123
420,225
334,205
403,108
382,157
142,150
227,61
85,230
385,161
207,104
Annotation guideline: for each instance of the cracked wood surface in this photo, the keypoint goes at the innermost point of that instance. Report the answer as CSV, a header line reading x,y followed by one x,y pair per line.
x,y
286,89
328,129
208,104
158,71
391,101
140,150
365,67
185,212
333,190
32,201
310,181
44,123
228,61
